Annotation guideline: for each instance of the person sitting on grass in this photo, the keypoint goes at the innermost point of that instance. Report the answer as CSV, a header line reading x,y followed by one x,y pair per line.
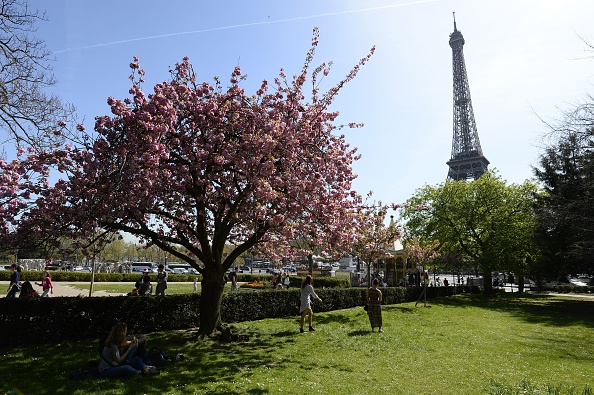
x,y
118,359
109,324
27,291
146,288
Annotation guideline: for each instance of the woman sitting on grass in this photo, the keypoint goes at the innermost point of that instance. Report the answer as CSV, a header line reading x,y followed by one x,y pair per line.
x,y
118,359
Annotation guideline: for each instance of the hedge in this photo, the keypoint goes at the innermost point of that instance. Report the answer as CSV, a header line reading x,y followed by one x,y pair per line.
x,y
59,319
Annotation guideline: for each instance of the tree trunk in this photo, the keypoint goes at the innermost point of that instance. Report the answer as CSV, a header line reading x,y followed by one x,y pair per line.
x,y
487,281
520,284
210,302
310,261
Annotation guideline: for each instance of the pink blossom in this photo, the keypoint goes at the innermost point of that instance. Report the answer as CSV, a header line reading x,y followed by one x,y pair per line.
x,y
194,166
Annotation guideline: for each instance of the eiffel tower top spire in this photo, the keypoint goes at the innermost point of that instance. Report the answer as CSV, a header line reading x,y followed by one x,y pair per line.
x,y
467,160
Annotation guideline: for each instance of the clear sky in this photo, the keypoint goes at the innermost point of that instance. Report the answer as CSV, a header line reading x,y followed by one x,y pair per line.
x,y
524,59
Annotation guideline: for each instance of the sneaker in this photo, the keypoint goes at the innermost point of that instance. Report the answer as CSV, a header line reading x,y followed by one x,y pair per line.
x,y
311,329
301,330
150,371
381,331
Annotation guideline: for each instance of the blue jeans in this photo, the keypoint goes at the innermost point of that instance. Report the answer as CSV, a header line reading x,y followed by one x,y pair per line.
x,y
118,372
133,360
12,293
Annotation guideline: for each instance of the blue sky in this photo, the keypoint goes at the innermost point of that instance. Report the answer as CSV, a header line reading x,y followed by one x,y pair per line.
x,y
524,60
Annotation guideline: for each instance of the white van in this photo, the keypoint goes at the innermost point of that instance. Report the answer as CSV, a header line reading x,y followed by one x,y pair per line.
x,y
179,268
139,267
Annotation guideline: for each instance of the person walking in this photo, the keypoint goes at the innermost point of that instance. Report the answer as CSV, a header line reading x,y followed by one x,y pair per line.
x,y
307,292
374,306
46,284
161,281
15,281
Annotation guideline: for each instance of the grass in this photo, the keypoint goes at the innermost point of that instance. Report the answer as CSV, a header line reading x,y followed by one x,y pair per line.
x,y
459,345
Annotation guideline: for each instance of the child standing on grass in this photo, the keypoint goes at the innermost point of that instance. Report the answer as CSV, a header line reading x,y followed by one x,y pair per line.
x,y
46,284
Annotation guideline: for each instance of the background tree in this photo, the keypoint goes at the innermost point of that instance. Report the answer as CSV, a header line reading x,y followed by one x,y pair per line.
x,y
28,114
483,221
375,239
113,251
565,211
131,252
422,252
194,167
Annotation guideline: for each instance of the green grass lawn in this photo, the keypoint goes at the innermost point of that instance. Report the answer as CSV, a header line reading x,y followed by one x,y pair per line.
x,y
458,345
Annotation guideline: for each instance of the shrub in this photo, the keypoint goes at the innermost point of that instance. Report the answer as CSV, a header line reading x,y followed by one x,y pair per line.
x,y
58,319
295,281
253,285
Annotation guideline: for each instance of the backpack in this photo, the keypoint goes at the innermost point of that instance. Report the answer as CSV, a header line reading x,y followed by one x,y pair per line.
x,y
156,357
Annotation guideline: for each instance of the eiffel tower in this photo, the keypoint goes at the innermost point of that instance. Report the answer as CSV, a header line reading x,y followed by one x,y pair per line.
x,y
467,161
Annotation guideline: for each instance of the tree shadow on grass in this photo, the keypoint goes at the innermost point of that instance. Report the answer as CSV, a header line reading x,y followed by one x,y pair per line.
x,y
336,318
541,309
399,309
360,333
206,362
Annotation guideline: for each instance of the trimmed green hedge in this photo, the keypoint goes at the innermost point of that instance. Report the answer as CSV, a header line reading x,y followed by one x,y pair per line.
x,y
295,281
572,289
43,320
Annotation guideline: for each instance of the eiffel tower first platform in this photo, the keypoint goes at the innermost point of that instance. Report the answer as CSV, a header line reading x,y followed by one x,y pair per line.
x,y
467,161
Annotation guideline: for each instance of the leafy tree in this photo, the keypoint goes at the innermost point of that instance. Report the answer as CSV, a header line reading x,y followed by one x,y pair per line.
x,y
375,238
484,221
422,252
565,211
113,251
28,115
193,167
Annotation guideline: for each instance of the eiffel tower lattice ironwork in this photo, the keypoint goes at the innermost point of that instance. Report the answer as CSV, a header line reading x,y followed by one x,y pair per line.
x,y
467,161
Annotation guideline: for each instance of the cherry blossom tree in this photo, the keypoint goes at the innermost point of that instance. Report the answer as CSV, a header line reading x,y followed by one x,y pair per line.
x,y
375,239
422,252
194,167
